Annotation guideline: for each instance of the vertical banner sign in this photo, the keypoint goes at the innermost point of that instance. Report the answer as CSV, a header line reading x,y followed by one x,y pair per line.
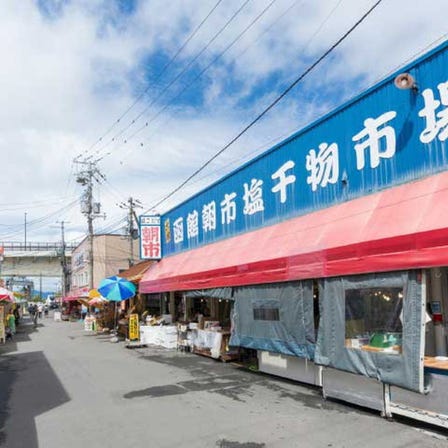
x,y
150,238
134,330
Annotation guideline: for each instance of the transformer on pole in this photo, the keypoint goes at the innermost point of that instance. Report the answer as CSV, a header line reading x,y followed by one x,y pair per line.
x,y
85,177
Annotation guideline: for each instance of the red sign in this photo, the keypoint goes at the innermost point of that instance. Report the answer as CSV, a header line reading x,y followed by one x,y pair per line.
x,y
150,238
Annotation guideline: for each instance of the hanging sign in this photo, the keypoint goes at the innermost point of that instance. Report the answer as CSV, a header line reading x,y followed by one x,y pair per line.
x,y
134,330
150,238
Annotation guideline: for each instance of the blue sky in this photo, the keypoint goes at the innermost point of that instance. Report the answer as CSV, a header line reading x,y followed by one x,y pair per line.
x,y
71,68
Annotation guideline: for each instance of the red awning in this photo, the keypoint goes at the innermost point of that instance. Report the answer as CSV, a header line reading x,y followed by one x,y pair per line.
x,y
70,298
403,227
75,294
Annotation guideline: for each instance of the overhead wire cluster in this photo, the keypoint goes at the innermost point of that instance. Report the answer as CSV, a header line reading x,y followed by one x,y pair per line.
x,y
99,154
38,223
96,152
91,152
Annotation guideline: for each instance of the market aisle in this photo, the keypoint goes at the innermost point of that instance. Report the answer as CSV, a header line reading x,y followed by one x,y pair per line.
x,y
64,388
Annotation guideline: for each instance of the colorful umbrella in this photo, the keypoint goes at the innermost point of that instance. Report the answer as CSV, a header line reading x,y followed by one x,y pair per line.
x,y
93,294
116,289
6,295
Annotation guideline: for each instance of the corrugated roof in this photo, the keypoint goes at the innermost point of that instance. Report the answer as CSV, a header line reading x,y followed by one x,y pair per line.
x,y
135,273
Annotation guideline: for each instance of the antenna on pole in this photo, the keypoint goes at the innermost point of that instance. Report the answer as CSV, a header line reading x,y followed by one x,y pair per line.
x,y
132,231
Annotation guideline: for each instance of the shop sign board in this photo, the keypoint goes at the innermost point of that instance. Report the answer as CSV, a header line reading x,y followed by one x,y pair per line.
x,y
150,237
387,136
134,329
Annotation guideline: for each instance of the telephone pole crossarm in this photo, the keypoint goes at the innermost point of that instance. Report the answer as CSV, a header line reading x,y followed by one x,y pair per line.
x,y
86,177
131,205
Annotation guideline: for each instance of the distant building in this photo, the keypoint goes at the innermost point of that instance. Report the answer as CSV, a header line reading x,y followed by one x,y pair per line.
x,y
111,254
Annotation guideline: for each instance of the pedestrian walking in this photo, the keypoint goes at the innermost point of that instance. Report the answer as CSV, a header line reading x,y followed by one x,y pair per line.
x,y
11,322
40,309
17,313
33,312
84,310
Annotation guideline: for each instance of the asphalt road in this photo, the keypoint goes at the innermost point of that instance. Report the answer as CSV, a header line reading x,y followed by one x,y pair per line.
x,y
63,388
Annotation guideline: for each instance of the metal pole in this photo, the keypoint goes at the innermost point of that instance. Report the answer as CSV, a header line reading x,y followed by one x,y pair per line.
x,y
2,254
86,178
63,262
131,231
90,224
64,266
25,230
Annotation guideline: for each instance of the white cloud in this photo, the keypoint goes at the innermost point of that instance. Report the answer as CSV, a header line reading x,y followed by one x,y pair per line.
x,y
66,78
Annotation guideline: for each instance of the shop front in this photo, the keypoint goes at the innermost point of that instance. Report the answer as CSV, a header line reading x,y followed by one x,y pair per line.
x,y
205,328
334,258
198,321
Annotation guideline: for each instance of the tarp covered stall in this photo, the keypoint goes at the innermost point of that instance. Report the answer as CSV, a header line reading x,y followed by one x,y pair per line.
x,y
373,216
208,317
376,233
216,293
373,325
276,317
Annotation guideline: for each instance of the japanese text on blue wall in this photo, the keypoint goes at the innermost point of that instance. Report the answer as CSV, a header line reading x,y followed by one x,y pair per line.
x,y
384,137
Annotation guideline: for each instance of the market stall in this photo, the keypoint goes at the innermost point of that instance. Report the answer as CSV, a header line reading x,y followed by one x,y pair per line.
x,y
7,319
161,335
207,321
71,308
367,242
213,343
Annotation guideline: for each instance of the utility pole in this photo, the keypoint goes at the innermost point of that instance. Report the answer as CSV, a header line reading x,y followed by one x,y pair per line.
x,y
2,255
131,205
25,230
90,210
65,269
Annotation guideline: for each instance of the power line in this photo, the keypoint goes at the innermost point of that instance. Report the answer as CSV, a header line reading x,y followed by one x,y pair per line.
x,y
272,104
38,223
178,76
268,28
33,204
114,227
219,56
411,58
284,135
269,143
164,69
253,42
